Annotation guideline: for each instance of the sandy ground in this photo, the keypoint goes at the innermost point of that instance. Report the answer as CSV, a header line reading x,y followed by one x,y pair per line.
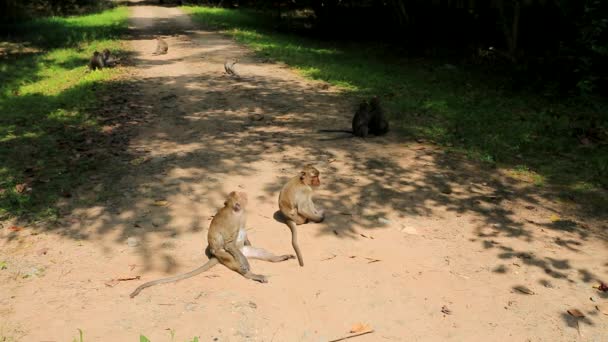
x,y
419,244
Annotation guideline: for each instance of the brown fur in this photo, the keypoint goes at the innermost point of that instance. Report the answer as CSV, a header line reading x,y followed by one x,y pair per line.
x,y
228,244
296,205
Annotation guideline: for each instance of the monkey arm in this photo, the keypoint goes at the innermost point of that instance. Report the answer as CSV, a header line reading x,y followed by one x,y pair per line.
x,y
307,209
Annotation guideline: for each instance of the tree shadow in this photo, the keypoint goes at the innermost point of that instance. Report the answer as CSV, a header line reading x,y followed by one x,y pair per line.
x,y
200,133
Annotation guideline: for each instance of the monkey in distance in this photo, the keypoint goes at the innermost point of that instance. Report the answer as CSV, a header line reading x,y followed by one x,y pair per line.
x,y
227,244
102,60
108,60
368,119
161,47
96,61
296,205
229,66
378,125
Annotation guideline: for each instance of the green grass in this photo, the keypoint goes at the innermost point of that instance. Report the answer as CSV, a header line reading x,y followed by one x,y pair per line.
x,y
461,107
45,98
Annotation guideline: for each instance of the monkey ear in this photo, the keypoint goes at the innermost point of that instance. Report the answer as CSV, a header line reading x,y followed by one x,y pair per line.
x,y
302,174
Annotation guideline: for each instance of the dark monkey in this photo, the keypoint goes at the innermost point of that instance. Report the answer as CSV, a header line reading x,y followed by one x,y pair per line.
x,y
96,61
368,119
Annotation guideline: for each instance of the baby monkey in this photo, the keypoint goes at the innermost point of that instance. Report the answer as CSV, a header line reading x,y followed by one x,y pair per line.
x,y
228,245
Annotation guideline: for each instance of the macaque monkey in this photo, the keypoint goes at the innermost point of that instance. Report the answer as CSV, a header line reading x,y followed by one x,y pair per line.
x,y
161,46
368,119
229,66
296,205
361,121
228,245
108,59
96,61
378,125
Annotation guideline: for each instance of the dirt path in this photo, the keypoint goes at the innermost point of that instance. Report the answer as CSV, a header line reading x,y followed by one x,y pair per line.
x,y
410,229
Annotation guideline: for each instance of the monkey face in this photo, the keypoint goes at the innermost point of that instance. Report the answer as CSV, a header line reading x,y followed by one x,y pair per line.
x,y
236,200
310,176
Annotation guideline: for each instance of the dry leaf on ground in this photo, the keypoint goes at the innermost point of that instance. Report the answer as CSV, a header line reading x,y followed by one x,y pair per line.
x,y
524,290
576,313
554,218
359,327
160,203
15,228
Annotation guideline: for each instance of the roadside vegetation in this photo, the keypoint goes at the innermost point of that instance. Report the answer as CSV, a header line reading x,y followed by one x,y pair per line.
x,y
543,138
46,101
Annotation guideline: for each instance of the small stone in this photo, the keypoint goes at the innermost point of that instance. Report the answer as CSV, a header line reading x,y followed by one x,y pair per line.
x,y
132,241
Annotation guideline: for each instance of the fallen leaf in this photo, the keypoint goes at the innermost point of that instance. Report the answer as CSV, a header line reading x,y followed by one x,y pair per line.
x,y
445,310
359,327
523,290
139,161
554,218
576,313
160,203
367,237
15,228
372,260
3,265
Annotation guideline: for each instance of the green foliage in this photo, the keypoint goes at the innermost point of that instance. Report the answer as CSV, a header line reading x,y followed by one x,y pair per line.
x,y
143,338
45,98
460,107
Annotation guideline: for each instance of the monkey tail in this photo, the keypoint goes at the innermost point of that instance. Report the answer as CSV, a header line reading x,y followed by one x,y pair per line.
x,y
294,241
208,265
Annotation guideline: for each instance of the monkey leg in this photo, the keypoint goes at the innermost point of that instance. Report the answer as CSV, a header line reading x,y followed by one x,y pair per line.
x,y
238,264
294,240
262,254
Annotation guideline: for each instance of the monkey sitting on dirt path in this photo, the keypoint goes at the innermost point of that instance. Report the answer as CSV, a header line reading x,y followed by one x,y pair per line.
x,y
228,245
296,205
368,119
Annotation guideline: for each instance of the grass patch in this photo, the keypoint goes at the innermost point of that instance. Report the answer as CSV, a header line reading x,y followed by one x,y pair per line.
x,y
46,95
460,106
